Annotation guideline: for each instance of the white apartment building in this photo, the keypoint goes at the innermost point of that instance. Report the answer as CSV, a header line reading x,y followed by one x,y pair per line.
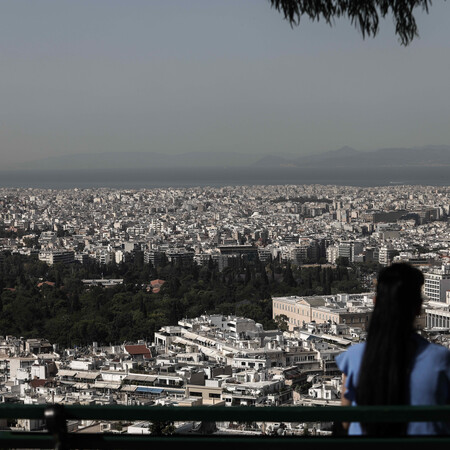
x,y
57,256
332,253
437,283
386,254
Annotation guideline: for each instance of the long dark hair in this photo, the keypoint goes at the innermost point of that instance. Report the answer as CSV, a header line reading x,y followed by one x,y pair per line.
x,y
390,348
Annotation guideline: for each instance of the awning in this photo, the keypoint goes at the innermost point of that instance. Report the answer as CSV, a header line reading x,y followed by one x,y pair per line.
x,y
128,388
149,390
81,386
87,375
106,385
142,378
66,373
211,352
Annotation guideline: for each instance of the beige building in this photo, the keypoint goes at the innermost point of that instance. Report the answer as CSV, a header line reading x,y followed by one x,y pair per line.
x,y
210,394
352,310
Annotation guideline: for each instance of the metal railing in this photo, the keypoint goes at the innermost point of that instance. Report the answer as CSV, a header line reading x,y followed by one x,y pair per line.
x,y
56,434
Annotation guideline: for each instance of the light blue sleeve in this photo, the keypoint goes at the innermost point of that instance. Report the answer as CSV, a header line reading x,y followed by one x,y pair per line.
x,y
445,382
430,376
349,363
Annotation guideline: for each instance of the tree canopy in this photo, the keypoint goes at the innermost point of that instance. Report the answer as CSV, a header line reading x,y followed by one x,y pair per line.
x,y
37,300
364,14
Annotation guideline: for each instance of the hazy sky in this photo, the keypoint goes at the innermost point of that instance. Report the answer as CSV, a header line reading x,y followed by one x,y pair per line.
x,y
212,75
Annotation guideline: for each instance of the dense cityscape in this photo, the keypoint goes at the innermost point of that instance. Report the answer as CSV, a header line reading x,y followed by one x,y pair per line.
x,y
269,236
224,224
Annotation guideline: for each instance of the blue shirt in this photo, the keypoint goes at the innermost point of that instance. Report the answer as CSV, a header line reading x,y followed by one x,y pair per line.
x,y
429,382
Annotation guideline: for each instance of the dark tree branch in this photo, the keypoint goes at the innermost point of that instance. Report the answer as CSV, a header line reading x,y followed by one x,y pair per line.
x,y
363,14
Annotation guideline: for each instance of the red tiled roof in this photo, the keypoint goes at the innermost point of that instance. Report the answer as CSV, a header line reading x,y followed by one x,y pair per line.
x,y
37,382
137,350
48,283
156,285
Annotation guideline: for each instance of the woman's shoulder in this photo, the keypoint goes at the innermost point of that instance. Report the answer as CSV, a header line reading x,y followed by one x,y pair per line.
x,y
356,349
351,357
431,351
429,346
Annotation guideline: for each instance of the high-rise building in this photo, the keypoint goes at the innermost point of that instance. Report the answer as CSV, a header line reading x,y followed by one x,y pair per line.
x,y
332,253
248,251
345,250
357,250
57,256
437,283
180,255
300,254
154,257
386,254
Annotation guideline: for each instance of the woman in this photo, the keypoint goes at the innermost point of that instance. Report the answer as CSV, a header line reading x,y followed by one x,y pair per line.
x,y
396,366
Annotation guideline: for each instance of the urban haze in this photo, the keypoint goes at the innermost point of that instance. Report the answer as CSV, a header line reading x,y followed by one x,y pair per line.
x,y
196,199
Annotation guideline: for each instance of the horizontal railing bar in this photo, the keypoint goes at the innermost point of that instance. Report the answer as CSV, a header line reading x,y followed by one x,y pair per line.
x,y
236,414
99,440
24,439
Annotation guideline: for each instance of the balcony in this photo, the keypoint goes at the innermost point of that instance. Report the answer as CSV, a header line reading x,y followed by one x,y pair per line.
x,y
56,435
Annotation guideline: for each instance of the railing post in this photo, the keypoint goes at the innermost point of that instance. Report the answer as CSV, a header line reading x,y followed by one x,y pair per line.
x,y
55,418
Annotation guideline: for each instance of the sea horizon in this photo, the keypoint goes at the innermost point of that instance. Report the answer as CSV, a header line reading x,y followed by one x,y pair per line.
x,y
218,177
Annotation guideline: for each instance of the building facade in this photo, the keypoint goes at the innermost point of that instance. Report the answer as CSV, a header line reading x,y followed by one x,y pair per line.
x,y
324,309
437,283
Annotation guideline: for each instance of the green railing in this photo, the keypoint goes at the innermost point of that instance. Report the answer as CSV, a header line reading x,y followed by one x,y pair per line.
x,y
57,436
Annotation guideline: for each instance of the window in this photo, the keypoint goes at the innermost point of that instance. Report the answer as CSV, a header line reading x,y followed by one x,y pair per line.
x,y
213,395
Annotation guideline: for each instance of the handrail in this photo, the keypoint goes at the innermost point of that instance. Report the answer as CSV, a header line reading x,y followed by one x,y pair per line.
x,y
57,436
399,413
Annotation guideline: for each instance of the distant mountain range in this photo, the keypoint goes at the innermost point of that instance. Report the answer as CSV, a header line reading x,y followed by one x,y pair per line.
x,y
345,157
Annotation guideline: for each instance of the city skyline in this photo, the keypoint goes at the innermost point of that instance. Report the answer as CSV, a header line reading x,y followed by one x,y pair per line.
x,y
212,77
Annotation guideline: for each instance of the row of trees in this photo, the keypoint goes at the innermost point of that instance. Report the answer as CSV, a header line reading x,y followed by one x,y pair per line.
x,y
68,313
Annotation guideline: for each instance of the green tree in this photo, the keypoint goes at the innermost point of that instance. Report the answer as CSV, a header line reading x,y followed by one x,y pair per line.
x,y
161,428
364,15
342,261
288,276
282,322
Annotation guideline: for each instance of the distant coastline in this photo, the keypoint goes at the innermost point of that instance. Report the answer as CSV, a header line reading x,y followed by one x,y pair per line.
x,y
214,176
